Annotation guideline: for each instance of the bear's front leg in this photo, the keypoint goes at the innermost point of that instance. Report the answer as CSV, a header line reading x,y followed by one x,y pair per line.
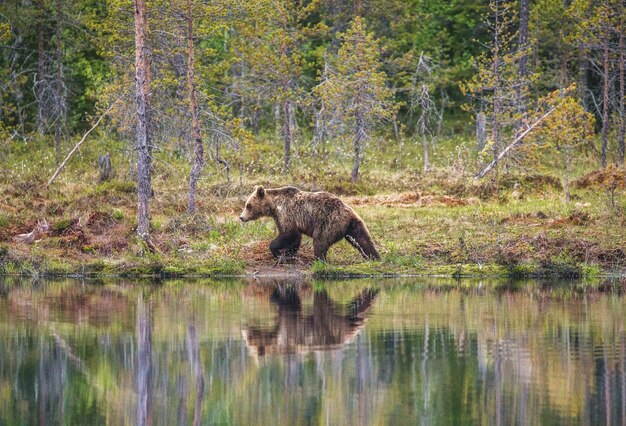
x,y
320,249
289,242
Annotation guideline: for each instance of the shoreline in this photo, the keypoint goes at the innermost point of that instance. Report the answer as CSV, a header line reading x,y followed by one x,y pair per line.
x,y
236,269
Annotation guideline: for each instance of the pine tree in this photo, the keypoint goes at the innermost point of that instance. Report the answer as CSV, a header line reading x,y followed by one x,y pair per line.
x,y
356,88
144,141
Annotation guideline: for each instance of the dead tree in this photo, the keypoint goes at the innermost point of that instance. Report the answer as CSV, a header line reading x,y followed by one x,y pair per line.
x,y
144,142
422,101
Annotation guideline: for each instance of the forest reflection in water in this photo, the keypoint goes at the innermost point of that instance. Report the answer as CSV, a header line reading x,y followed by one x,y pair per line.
x,y
287,352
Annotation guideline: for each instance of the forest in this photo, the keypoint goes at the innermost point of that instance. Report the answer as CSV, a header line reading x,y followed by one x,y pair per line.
x,y
473,137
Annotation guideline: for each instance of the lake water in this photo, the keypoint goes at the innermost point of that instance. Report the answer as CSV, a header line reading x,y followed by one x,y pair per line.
x,y
281,352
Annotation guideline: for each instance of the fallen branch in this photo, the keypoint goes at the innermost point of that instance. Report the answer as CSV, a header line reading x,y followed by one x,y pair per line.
x,y
36,234
74,359
512,145
56,173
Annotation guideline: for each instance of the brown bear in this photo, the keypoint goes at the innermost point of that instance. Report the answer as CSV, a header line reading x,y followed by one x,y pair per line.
x,y
320,215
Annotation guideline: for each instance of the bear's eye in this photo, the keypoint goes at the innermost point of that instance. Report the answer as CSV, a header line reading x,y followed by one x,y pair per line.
x,y
247,206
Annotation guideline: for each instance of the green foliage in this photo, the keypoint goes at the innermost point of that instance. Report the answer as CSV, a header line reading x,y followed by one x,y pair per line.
x,y
356,88
4,220
61,225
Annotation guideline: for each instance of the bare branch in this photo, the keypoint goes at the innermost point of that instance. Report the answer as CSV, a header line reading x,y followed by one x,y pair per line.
x,y
56,173
512,145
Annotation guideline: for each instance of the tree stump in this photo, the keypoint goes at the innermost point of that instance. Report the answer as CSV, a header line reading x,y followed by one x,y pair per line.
x,y
106,170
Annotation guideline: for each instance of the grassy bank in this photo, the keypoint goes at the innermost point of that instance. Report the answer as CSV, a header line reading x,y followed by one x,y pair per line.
x,y
439,223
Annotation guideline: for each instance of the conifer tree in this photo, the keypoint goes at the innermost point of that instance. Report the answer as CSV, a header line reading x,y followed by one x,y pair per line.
x,y
356,88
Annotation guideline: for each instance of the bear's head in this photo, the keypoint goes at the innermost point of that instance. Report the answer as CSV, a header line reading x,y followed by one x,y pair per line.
x,y
258,205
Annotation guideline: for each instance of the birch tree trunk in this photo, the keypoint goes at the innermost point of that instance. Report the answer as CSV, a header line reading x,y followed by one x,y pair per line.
x,y
198,158
144,143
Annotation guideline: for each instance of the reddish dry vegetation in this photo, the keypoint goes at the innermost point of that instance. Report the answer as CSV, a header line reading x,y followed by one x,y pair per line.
x,y
100,233
410,199
576,218
612,177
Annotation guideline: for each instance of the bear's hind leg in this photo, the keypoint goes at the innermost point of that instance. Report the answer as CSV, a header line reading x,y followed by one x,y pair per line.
x,y
290,243
360,239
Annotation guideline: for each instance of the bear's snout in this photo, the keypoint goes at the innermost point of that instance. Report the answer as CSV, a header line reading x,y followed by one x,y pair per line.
x,y
241,218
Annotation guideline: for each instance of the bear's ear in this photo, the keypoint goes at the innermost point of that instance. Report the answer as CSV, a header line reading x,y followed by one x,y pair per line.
x,y
260,191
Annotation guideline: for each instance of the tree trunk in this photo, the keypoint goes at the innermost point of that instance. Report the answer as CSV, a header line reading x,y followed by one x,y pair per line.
x,y
196,131
318,130
523,37
196,365
523,60
105,168
481,130
583,66
359,138
278,126
496,96
425,146
144,143
15,85
287,135
622,118
144,358
41,69
293,124
59,101
568,157
358,8
605,99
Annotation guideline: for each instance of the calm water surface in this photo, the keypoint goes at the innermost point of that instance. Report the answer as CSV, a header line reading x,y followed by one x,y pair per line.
x,y
284,352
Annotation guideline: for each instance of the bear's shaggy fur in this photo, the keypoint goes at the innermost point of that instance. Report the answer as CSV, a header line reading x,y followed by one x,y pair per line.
x,y
320,215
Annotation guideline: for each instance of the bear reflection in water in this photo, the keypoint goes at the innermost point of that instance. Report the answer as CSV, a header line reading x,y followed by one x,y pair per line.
x,y
326,326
